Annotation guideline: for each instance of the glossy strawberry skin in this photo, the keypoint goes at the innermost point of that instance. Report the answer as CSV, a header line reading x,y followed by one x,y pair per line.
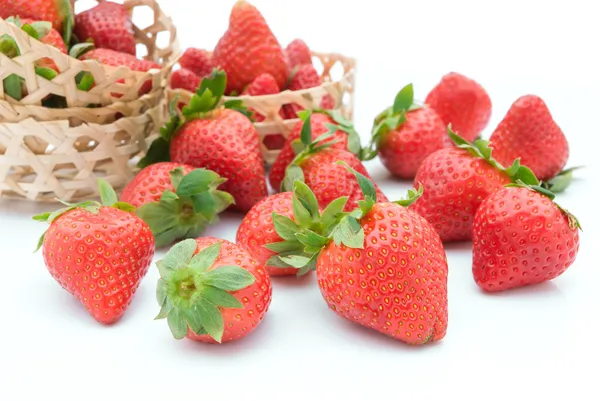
x,y
330,181
255,299
462,102
100,259
226,142
305,78
454,185
185,79
262,85
199,61
117,59
53,38
54,11
318,123
149,184
403,150
520,237
297,54
397,284
108,25
249,49
257,230
529,132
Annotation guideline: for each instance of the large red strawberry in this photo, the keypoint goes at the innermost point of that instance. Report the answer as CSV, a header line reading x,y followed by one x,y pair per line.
x,y
297,53
383,267
199,61
211,290
58,12
98,252
320,123
521,237
108,25
456,181
305,78
529,132
217,138
463,103
249,49
176,201
185,79
405,134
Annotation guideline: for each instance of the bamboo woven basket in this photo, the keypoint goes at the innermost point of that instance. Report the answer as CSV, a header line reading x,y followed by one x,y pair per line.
x,y
341,89
49,154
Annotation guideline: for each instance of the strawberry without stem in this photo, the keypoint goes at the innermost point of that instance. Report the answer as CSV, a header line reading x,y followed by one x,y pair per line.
x,y
98,252
212,291
305,78
297,54
199,61
185,79
58,12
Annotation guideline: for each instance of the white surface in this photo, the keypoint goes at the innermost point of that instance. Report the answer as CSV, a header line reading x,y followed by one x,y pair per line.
x,y
538,341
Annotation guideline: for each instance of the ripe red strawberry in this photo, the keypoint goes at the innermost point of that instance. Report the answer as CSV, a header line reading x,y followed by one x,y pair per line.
x,y
108,26
199,61
297,53
52,37
249,49
216,138
521,237
185,79
212,291
176,201
456,181
405,134
382,267
98,252
305,78
58,12
529,132
463,103
320,123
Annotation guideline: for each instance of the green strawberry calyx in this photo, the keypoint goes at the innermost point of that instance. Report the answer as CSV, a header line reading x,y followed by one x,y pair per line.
x,y
193,291
208,98
341,124
187,211
108,198
390,119
561,181
68,19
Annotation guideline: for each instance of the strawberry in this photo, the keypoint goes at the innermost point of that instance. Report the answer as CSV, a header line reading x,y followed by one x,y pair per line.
x,y
529,132
405,134
58,12
197,60
217,138
521,237
305,78
463,103
297,54
98,252
249,49
382,266
211,290
108,26
320,123
185,79
52,37
456,181
176,201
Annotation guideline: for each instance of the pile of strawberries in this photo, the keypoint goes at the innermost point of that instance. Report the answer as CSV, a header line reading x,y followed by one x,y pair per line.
x,y
379,263
103,33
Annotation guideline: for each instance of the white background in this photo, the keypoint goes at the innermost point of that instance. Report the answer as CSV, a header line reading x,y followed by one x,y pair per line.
x,y
534,343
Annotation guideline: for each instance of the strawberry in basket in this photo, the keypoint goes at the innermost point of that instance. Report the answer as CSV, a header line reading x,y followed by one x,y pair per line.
x,y
58,12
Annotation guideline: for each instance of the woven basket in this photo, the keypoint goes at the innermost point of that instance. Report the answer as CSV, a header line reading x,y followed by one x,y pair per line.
x,y
112,84
341,89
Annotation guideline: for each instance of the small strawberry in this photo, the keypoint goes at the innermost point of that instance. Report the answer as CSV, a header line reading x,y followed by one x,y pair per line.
x,y
211,290
218,138
249,49
305,78
58,12
381,266
463,103
185,79
108,25
321,122
521,237
529,132
297,54
176,201
456,181
52,37
405,134
197,60
98,252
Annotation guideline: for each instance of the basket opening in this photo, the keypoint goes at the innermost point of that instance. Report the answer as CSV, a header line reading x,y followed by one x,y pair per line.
x,y
318,64
163,39
85,144
141,50
143,13
336,72
84,5
14,87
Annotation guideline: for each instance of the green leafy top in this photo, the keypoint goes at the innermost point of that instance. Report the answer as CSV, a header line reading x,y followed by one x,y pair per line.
x,y
185,213
108,198
561,181
390,119
191,295
68,19
341,124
